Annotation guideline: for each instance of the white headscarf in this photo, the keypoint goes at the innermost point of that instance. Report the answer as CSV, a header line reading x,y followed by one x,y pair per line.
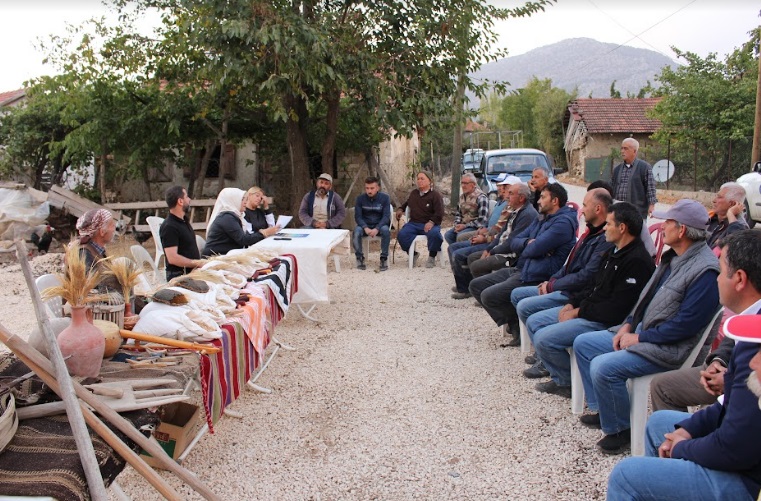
x,y
228,200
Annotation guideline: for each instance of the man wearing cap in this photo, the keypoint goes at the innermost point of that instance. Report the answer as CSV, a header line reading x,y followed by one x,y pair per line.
x,y
322,207
177,236
459,251
498,254
661,330
576,274
716,452
472,211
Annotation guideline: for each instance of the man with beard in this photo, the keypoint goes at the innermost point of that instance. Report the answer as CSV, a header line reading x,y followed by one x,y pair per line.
x,y
719,446
322,207
177,236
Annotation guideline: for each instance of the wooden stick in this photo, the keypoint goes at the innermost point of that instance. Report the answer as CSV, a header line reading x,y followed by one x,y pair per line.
x,y
176,343
78,427
37,362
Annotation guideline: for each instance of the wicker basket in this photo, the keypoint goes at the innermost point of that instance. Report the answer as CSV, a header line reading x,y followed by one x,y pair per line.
x,y
110,312
8,419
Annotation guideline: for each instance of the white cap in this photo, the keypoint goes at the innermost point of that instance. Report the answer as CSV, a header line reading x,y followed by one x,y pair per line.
x,y
510,180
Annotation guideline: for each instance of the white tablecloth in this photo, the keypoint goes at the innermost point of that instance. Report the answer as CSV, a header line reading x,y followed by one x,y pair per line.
x,y
311,253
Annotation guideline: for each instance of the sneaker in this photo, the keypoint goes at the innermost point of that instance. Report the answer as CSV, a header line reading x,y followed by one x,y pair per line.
x,y
616,443
536,371
454,288
461,295
553,388
361,263
477,304
530,359
591,420
383,265
431,263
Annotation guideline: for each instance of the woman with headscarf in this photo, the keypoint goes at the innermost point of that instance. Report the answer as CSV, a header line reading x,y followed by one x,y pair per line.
x,y
426,213
258,216
225,228
96,228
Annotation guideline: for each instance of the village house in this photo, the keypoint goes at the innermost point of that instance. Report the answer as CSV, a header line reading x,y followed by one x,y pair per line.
x,y
594,131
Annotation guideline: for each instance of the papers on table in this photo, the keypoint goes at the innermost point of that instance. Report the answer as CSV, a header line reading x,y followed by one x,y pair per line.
x,y
283,221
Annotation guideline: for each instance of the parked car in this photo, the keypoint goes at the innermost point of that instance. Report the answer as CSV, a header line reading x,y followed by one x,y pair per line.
x,y
471,159
519,162
752,184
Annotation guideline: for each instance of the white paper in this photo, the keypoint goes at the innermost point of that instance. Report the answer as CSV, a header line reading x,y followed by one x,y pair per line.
x,y
282,221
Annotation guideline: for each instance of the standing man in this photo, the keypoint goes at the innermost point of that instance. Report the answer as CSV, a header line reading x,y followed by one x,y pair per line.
x,y
426,213
322,207
661,330
177,236
714,453
472,211
633,182
372,213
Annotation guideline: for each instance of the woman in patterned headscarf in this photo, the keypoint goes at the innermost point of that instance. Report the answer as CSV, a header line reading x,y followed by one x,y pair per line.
x,y
96,229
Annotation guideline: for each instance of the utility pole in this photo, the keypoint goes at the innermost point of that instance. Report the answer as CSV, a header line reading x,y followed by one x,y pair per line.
x,y
756,151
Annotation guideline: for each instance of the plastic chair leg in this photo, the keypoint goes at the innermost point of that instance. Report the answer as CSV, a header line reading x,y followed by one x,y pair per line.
x,y
577,387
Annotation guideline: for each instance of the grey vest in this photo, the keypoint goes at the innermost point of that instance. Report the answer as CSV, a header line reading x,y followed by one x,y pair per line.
x,y
667,301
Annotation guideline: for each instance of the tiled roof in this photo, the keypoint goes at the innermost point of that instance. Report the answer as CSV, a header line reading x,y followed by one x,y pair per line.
x,y
614,115
471,126
11,96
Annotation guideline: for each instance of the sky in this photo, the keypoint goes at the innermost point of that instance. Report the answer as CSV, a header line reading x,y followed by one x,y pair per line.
x,y
700,26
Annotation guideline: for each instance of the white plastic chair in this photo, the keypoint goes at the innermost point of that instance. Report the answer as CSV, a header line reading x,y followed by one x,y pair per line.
x,y
142,258
366,240
424,240
639,390
201,243
526,343
154,223
54,305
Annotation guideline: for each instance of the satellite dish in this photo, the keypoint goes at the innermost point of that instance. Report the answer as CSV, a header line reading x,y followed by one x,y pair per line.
x,y
663,170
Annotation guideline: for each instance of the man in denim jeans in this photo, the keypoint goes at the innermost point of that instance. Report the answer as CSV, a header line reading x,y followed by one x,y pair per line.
x,y
372,213
716,452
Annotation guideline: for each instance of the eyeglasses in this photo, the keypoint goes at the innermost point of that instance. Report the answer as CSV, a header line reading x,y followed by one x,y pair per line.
x,y
467,182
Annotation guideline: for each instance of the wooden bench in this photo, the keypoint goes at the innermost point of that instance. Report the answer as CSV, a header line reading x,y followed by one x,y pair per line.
x,y
142,210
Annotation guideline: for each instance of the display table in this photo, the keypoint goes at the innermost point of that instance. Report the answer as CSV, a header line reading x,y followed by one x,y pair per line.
x,y
311,248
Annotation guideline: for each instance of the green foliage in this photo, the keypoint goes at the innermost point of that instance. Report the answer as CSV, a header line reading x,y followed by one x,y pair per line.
x,y
537,110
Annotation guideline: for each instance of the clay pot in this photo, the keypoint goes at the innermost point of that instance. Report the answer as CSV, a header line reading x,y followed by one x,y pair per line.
x,y
84,342
129,319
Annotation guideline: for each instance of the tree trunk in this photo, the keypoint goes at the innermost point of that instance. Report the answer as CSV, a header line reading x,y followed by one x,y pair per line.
x,y
222,152
296,110
208,152
457,141
193,159
333,100
102,180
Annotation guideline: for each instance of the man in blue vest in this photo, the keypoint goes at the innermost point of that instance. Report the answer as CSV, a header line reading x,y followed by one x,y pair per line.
x,y
322,207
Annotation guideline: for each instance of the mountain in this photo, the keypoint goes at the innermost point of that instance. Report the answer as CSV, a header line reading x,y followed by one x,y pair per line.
x,y
579,62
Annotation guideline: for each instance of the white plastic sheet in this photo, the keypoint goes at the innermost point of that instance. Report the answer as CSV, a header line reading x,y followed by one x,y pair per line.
x,y
20,214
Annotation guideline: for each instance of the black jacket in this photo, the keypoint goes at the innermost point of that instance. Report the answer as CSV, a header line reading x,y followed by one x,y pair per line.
x,y
257,218
620,280
226,233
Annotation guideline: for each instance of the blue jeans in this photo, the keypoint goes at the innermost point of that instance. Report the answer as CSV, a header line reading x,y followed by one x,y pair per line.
x,y
409,231
551,338
604,373
451,235
459,261
383,233
527,301
455,247
653,478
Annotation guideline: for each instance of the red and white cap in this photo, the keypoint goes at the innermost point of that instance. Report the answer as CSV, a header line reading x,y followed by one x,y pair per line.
x,y
744,328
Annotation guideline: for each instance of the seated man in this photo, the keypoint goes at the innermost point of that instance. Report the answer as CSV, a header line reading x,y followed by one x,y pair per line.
x,y
701,385
625,270
426,213
539,179
543,248
671,312
177,236
322,207
578,272
459,251
372,213
716,452
498,254
472,210
727,216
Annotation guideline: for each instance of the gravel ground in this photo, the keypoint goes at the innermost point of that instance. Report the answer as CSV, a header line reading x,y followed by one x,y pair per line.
x,y
399,392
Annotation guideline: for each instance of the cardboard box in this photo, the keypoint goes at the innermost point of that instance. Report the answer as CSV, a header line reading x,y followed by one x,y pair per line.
x,y
179,426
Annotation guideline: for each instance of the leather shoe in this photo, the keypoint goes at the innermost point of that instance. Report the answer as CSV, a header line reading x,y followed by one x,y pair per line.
x,y
553,388
516,341
616,443
530,359
591,420
461,295
536,371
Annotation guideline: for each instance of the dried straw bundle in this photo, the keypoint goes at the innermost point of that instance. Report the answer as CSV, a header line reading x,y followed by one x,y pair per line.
x,y
126,273
77,280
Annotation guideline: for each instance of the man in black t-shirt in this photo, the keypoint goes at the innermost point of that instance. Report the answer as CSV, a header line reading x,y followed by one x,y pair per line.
x,y
177,236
